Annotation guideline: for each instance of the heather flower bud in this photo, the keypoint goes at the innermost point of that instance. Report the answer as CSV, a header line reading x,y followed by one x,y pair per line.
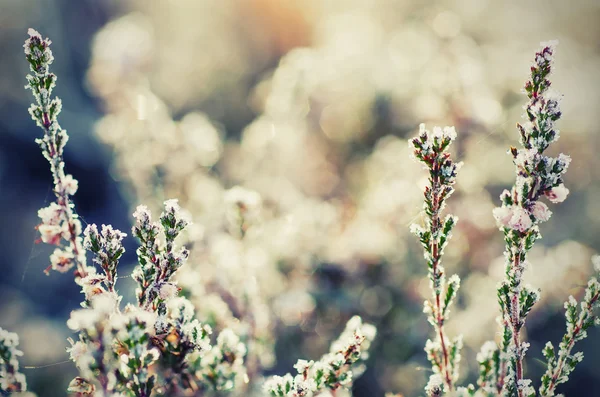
x,y
503,215
167,291
50,215
62,260
557,194
520,219
51,234
540,211
80,385
69,185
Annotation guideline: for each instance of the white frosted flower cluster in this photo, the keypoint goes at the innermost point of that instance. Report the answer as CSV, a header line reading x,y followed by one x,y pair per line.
x,y
428,142
112,352
222,366
37,51
515,217
334,370
11,380
536,175
435,386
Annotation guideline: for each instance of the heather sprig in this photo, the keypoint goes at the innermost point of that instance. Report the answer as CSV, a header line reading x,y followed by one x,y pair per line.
x,y
188,359
334,370
158,263
221,368
60,224
560,364
522,211
107,247
11,380
114,352
489,363
180,337
431,148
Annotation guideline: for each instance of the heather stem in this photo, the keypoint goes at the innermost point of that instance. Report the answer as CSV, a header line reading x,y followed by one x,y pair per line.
x,y
437,274
431,149
521,211
516,331
59,220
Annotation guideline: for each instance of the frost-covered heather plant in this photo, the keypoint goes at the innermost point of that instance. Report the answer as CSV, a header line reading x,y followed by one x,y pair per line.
x,y
501,364
60,224
336,369
156,346
522,211
431,148
11,380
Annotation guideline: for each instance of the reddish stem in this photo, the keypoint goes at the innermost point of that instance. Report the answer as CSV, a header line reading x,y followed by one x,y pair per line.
x,y
63,198
435,224
515,319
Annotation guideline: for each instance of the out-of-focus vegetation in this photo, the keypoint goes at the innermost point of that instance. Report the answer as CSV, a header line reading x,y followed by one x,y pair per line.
x,y
309,103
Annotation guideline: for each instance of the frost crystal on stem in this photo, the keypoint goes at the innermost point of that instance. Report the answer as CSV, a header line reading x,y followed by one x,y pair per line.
x,y
431,148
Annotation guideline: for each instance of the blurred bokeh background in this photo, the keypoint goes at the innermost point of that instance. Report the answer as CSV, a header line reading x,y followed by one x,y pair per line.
x,y
310,103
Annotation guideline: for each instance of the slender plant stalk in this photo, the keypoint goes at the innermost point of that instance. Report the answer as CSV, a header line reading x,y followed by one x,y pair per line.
x,y
430,148
522,211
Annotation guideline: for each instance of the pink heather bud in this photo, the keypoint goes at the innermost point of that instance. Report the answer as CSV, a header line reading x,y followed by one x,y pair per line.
x,y
503,215
540,211
50,215
167,291
77,352
557,194
69,185
61,261
520,219
50,234
513,217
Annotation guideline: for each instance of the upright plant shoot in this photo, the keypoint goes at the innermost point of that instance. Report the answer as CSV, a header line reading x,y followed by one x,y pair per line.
x,y
522,211
431,148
